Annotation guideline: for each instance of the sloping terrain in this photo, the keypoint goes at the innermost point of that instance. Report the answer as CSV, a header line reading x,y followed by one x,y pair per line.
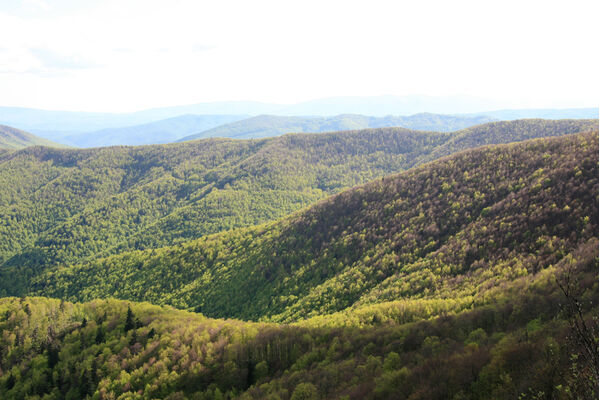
x,y
466,278
515,339
452,229
11,138
66,206
61,206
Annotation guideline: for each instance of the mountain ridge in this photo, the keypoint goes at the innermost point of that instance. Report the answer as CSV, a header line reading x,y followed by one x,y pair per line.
x,y
74,205
272,125
400,237
441,282
157,132
12,139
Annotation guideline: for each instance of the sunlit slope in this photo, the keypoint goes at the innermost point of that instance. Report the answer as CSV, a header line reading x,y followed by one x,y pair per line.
x,y
513,343
12,138
454,228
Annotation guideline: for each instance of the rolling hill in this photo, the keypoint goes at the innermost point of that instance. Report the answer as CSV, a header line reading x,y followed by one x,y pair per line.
x,y
435,283
68,206
452,229
11,138
272,125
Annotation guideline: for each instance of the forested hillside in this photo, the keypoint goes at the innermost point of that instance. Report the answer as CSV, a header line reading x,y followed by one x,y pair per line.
x,y
447,231
11,138
273,125
509,131
67,206
466,278
518,345
62,206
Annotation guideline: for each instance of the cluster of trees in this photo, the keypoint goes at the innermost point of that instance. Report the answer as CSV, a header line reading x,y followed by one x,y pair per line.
x,y
448,233
511,131
108,349
60,207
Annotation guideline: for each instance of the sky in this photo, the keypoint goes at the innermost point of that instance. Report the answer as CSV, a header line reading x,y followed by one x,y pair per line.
x,y
127,55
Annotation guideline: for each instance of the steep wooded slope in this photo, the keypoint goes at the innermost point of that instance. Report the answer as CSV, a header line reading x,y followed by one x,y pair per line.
x,y
454,228
67,206
61,206
517,345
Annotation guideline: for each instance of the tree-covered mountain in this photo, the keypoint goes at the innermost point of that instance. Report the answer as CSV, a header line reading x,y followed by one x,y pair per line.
x,y
273,125
11,138
452,229
163,131
517,338
471,277
67,206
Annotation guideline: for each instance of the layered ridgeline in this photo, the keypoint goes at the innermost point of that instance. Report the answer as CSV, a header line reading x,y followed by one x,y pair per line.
x,y
66,206
445,233
274,125
458,261
162,131
62,206
12,138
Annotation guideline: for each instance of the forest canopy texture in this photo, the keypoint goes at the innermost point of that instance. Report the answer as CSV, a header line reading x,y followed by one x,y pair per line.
x,y
472,274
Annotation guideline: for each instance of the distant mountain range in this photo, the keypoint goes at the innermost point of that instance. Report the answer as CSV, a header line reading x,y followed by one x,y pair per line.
x,y
272,125
38,121
11,138
545,113
163,131
168,124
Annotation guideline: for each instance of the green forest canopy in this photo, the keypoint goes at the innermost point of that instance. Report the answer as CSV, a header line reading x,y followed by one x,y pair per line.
x,y
435,283
449,230
63,207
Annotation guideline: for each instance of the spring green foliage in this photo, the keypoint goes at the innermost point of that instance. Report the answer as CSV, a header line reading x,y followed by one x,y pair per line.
x,y
63,206
444,234
11,138
69,206
436,283
510,348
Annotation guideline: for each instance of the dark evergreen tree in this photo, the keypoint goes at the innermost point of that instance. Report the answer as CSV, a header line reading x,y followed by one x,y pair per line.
x,y
130,320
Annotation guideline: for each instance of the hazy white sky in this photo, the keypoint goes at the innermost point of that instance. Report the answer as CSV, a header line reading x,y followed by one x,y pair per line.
x,y
124,55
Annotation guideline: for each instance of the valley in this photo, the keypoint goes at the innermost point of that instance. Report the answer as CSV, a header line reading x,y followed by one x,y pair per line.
x,y
378,263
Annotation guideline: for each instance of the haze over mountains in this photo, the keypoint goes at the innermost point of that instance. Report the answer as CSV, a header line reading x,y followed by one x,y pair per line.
x,y
162,131
271,125
168,124
11,138
435,283
379,106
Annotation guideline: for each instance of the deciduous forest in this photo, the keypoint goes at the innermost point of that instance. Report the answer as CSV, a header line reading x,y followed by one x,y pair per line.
x,y
373,264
